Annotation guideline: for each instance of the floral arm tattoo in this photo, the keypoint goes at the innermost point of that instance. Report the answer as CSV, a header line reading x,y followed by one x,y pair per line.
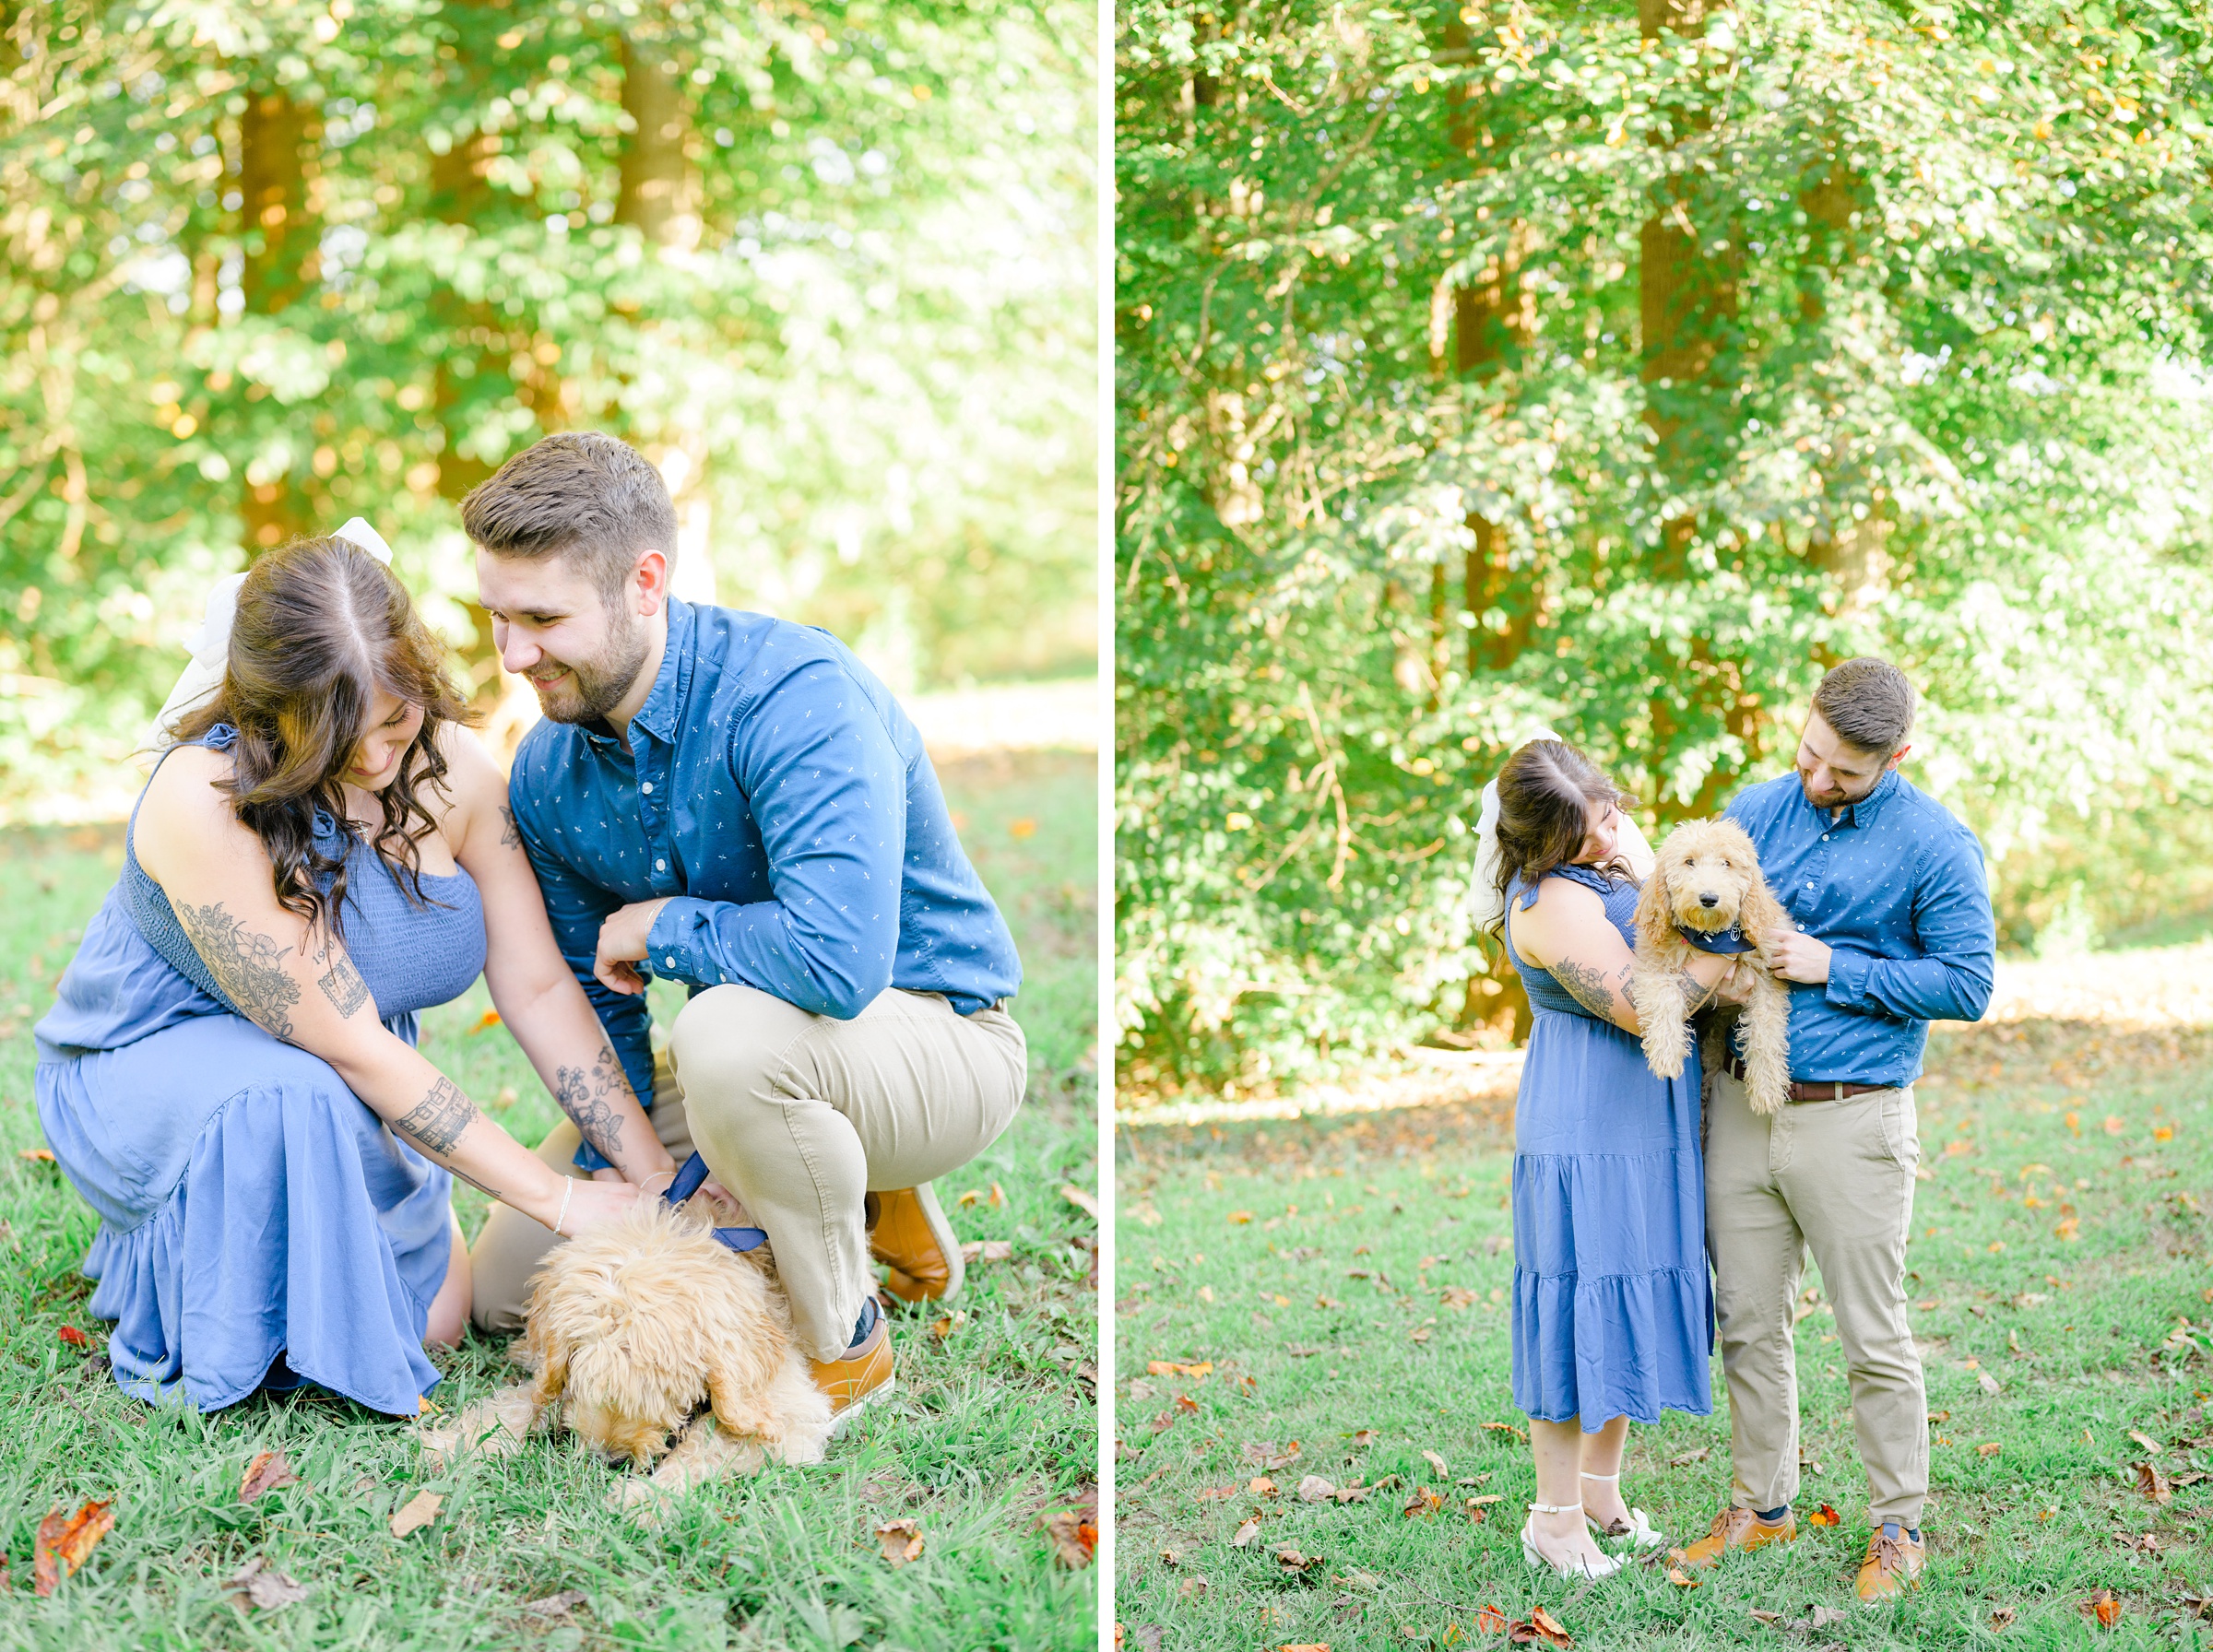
x,y
439,1118
248,966
510,835
588,1099
1589,987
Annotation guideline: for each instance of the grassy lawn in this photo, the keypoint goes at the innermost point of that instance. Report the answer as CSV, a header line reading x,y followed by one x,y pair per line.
x,y
995,1427
2059,1251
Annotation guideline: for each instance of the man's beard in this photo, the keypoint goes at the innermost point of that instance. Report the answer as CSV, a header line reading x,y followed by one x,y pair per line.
x,y
590,689
1836,802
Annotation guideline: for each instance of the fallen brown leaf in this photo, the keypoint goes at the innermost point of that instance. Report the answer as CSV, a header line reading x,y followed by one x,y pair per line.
x,y
1217,1493
2104,1605
2145,1440
42,1155
1263,1453
1204,1368
2002,1618
1074,1538
1355,1492
1681,1580
263,1589
60,1546
1437,1463
418,1511
1162,1423
266,1472
75,1338
1424,1503
1246,1533
1824,1516
1826,1615
1989,1448
1489,1620
1457,1296
1314,1489
901,1541
2153,1484
988,1250
1759,1616
1541,1626
1362,1436
555,1606
1288,1557
1506,1428
1081,1199
1990,1385
1261,1486
1689,1457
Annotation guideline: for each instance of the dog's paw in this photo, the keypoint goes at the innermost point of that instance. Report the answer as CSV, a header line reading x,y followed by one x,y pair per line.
x,y
496,1426
646,1502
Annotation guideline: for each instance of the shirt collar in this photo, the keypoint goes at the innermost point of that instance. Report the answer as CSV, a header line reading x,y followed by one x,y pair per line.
x,y
657,716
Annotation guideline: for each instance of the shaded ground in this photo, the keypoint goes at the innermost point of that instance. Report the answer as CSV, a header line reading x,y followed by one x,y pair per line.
x,y
995,1429
1351,1274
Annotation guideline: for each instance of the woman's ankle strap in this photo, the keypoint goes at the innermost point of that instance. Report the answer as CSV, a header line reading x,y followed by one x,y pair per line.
x,y
1608,1478
1555,1508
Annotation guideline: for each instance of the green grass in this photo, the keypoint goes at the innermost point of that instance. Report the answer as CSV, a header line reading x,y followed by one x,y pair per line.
x,y
996,1426
1231,1240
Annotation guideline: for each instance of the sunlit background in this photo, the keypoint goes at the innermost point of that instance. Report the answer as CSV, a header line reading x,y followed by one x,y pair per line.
x,y
266,267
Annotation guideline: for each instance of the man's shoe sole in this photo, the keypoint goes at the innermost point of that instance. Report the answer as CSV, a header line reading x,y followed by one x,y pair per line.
x,y
883,1390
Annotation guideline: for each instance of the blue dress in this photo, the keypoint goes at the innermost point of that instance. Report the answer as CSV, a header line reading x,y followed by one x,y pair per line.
x,y
1613,1303
259,1225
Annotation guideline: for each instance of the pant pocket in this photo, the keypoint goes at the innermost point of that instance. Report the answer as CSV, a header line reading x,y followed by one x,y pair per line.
x,y
1899,1127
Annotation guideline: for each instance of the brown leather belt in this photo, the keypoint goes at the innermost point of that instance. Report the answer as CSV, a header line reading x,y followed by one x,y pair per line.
x,y
1826,1089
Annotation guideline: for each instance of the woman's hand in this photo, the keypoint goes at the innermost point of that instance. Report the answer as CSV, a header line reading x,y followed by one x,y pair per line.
x,y
591,1204
1736,984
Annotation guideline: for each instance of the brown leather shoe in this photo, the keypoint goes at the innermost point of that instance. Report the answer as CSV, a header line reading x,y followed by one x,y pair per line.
x,y
1739,1529
911,1237
1892,1566
860,1379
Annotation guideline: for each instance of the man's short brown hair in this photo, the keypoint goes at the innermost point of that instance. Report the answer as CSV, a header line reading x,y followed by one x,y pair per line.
x,y
578,495
1869,703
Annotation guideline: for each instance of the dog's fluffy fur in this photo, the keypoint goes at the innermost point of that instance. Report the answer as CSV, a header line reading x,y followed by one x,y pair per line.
x,y
1708,878
631,1329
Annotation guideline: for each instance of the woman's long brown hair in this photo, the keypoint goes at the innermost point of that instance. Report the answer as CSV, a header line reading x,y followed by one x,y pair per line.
x,y
321,626
1545,795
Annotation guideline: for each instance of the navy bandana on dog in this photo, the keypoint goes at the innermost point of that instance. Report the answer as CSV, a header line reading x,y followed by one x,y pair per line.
x,y
1728,941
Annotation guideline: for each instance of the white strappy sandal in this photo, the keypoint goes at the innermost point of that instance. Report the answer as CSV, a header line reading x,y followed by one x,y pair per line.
x,y
1642,1533
1605,1566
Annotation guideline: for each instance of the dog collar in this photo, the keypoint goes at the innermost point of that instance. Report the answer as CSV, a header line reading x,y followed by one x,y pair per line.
x,y
1728,942
687,1183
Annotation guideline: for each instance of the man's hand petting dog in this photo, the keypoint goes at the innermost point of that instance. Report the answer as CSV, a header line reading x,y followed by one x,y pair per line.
x,y
1799,957
622,942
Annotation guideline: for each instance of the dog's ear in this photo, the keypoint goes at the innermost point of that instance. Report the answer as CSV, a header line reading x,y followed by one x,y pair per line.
x,y
1655,914
548,1349
1761,915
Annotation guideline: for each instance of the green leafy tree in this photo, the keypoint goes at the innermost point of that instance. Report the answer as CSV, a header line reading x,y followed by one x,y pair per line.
x,y
1621,368
265,267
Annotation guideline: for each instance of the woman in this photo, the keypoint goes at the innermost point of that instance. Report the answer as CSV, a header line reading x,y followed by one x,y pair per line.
x,y
230,1077
1612,1304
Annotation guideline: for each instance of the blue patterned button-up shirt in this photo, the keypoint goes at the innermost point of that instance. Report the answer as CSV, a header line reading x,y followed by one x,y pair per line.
x,y
1895,886
777,792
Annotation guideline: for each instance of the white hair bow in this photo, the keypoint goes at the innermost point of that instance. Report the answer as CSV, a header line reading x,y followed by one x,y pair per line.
x,y
211,644
1487,904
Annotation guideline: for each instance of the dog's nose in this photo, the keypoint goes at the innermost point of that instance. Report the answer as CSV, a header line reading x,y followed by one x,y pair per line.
x,y
1710,900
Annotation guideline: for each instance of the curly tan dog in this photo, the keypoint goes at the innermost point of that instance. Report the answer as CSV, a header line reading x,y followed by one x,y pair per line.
x,y
631,1329
1708,884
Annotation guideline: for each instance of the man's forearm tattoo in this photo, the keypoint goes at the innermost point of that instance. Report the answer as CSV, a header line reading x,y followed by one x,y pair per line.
x,y
511,836
589,1099
438,1120
1587,986
248,966
342,983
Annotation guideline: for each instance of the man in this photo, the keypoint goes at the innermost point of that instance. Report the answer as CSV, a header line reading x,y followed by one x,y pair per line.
x,y
735,802
1894,931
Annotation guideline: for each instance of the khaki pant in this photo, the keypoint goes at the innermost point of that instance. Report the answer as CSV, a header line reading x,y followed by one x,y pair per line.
x,y
1834,1177
800,1116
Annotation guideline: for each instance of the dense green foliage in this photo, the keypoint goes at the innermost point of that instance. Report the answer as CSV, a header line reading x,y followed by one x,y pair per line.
x,y
263,266
1512,363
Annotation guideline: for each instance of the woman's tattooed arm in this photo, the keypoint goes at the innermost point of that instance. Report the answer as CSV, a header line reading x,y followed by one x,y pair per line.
x,y
439,1118
589,1100
342,983
248,966
1591,989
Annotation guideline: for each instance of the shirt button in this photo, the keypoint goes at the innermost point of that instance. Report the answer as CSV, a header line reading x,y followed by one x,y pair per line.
x,y
646,786
668,963
661,866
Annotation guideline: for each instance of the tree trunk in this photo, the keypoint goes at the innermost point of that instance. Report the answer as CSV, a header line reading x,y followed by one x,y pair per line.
x,y
276,162
658,192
